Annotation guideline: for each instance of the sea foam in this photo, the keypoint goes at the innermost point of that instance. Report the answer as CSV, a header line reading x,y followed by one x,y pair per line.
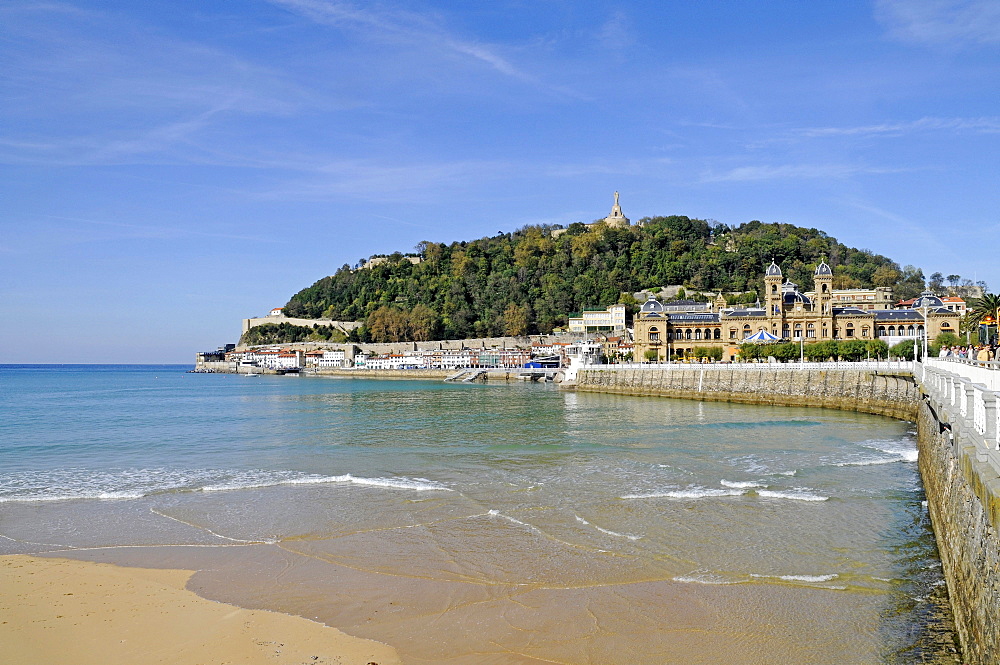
x,y
689,493
796,494
124,484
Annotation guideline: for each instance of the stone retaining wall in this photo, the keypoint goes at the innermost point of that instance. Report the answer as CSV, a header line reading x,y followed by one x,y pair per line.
x,y
866,391
963,499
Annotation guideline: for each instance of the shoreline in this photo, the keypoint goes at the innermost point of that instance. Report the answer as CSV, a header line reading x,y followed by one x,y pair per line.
x,y
66,610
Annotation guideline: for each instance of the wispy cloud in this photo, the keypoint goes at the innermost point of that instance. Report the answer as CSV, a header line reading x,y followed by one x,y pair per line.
x,y
908,229
426,31
616,34
792,172
945,22
85,87
989,125
601,166
375,181
158,232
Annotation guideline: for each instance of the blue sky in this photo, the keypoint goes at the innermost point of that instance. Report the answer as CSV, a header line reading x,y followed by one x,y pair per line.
x,y
171,168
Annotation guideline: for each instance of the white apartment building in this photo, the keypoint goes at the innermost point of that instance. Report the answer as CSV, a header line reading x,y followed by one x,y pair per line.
x,y
598,320
331,359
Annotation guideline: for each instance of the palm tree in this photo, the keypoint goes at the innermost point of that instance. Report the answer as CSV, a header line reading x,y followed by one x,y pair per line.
x,y
988,305
985,310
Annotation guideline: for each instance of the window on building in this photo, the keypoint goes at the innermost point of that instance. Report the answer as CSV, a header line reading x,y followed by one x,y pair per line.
x,y
881,331
718,333
850,330
697,333
810,330
864,332
732,333
687,333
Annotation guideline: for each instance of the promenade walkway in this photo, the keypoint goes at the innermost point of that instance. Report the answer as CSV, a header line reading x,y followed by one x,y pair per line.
x,y
965,393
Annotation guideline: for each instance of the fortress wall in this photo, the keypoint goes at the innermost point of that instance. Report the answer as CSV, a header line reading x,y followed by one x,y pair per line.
x,y
346,326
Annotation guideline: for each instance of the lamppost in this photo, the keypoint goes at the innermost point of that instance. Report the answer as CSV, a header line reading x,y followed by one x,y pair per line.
x,y
925,332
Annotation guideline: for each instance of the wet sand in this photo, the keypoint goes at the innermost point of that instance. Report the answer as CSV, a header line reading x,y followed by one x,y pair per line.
x,y
65,611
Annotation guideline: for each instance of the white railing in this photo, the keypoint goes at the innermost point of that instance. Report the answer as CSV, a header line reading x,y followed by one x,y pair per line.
x,y
967,395
984,372
869,365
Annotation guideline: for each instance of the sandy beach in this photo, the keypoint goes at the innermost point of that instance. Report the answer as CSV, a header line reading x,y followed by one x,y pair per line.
x,y
64,611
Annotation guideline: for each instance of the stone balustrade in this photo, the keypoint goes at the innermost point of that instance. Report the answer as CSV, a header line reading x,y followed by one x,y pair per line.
x,y
958,428
969,391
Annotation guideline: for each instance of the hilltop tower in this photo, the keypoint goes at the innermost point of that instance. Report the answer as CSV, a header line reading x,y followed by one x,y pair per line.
x,y
616,219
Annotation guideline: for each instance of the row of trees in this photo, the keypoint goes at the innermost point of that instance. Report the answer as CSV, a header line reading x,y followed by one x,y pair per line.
x,y
853,349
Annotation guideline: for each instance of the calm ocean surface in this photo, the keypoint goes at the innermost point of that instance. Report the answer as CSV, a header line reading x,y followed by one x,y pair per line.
x,y
488,524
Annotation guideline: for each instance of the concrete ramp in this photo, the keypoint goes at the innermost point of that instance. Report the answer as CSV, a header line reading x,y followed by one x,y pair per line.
x,y
479,374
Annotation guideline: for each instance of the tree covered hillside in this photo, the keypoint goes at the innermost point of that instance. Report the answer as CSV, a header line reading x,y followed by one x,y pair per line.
x,y
527,281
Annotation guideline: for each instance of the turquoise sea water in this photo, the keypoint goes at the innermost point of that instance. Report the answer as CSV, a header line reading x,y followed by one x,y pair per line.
x,y
488,523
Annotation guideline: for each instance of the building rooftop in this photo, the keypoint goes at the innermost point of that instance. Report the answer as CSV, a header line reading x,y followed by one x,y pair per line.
x,y
898,315
708,318
754,312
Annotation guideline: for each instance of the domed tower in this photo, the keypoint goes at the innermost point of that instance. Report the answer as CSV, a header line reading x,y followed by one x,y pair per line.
x,y
823,282
772,289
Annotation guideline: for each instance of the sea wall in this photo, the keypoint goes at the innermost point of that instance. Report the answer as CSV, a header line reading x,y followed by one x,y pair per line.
x,y
959,464
885,392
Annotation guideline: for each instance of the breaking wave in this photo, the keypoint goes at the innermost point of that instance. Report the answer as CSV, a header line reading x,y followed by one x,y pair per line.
x,y
76,484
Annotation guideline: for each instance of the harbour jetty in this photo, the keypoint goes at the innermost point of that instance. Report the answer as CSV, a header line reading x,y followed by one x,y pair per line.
x,y
955,406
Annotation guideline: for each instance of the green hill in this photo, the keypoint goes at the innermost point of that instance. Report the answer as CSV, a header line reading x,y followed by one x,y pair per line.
x,y
528,282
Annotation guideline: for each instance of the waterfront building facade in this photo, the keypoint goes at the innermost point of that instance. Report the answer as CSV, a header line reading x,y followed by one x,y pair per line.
x,y
788,314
